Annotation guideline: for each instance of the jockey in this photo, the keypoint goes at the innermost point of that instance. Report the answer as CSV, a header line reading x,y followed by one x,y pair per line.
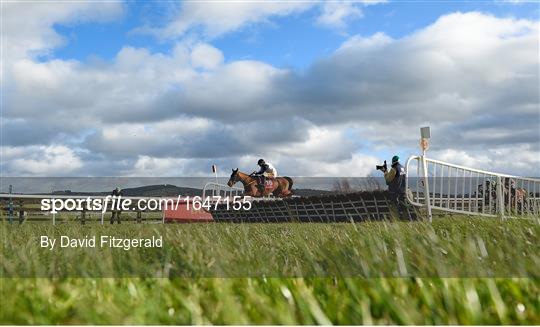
x,y
266,170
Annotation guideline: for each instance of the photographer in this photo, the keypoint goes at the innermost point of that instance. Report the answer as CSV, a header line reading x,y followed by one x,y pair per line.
x,y
395,179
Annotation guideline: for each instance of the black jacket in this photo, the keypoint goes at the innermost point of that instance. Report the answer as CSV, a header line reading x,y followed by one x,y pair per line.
x,y
263,169
397,185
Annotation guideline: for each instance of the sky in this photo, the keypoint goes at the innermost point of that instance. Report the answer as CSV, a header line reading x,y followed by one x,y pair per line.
x,y
156,88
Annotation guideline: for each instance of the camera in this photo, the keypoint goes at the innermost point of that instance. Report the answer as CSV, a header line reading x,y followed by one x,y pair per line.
x,y
382,167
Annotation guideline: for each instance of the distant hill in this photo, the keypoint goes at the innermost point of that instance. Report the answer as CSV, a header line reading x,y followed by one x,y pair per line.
x,y
149,190
311,192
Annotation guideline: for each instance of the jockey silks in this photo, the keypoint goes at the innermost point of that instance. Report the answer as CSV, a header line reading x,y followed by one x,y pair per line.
x,y
268,170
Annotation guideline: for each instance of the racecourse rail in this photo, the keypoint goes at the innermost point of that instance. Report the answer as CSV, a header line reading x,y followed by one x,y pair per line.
x,y
26,207
357,206
458,189
447,187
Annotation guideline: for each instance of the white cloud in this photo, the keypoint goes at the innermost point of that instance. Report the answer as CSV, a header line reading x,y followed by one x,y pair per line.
x,y
472,77
237,88
52,160
217,18
28,26
507,160
354,165
206,56
324,144
57,89
149,166
336,13
359,165
371,43
163,138
464,158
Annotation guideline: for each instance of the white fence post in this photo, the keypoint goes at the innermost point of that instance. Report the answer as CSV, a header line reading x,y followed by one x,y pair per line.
x,y
426,188
163,216
500,197
425,134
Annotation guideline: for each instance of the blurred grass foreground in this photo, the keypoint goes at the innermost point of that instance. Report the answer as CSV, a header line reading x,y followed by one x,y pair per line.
x,y
454,271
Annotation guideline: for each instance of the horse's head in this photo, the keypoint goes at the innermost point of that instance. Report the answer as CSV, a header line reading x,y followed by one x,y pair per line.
x,y
234,178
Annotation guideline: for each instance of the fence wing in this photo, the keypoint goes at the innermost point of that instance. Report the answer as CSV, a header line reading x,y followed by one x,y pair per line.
x,y
213,189
459,189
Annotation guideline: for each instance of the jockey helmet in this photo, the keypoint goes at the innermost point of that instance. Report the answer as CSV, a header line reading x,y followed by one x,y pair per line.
x,y
395,159
260,162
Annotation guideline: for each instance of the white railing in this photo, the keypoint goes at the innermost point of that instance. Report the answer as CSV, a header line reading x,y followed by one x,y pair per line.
x,y
213,190
460,189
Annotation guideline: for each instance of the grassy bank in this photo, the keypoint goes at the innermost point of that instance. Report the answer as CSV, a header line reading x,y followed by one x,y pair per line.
x,y
332,258
446,248
270,301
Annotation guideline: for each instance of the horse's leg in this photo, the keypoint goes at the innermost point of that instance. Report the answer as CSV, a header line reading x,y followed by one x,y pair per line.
x,y
255,191
288,188
276,191
282,190
285,192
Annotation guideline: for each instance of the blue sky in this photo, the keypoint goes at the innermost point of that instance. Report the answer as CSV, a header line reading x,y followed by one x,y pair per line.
x,y
304,43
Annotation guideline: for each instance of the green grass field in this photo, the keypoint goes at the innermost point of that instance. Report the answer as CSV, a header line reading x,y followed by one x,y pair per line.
x,y
454,271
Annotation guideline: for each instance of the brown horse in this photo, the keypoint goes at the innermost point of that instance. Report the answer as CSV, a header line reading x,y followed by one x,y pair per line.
x,y
516,197
279,186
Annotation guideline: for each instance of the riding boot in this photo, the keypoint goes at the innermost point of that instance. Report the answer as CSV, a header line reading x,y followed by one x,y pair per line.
x,y
260,184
